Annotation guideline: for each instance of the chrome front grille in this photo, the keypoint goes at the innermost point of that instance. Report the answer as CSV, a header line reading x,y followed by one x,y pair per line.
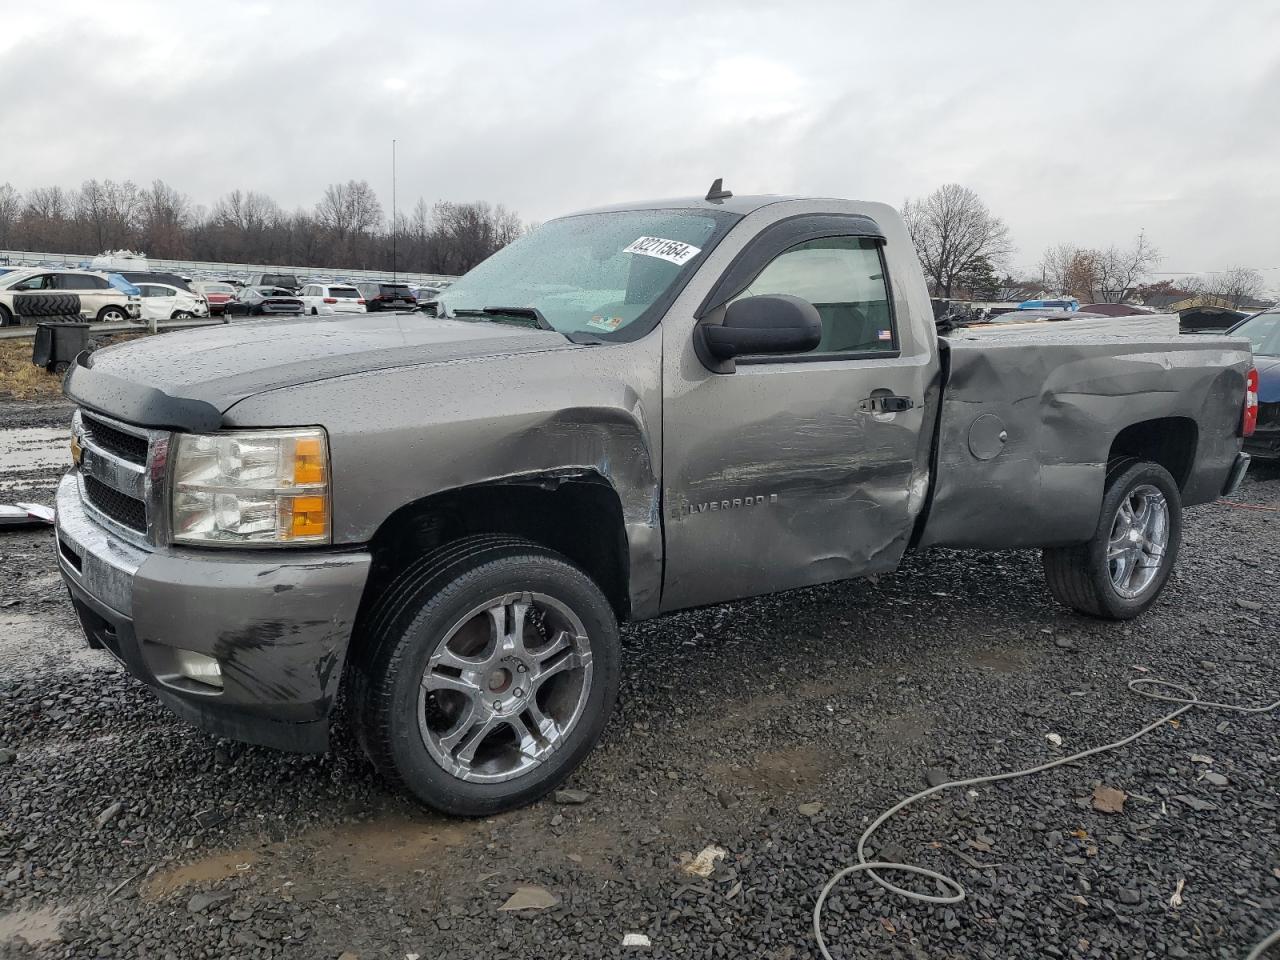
x,y
127,446
120,475
120,507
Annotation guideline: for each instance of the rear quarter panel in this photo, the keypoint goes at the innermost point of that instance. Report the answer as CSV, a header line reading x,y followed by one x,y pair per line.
x,y
1062,400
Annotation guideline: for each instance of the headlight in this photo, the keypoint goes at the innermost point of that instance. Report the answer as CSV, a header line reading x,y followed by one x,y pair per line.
x,y
254,487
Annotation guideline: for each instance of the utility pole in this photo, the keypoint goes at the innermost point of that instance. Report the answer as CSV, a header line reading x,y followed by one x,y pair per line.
x,y
393,210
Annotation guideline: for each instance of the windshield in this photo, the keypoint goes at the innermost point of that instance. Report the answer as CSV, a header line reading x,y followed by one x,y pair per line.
x,y
597,272
17,276
1263,332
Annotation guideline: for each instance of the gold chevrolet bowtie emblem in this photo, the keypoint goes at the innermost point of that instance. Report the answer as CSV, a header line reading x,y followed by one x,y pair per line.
x,y
77,451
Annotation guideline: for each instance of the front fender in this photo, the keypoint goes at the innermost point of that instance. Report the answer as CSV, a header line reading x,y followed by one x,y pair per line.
x,y
400,435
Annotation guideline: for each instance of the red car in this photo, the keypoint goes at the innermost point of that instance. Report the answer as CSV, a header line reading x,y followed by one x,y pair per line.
x,y
217,295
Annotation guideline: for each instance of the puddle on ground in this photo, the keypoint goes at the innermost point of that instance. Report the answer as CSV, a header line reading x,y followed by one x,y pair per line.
x,y
33,926
219,866
33,449
376,850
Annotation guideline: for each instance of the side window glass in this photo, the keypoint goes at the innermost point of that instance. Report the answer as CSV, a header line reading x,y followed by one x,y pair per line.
x,y
843,277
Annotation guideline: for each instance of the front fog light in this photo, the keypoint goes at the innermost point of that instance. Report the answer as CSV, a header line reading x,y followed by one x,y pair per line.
x,y
197,667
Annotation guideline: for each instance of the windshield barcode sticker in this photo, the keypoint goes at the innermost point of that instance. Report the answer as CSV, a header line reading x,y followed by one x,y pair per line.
x,y
673,251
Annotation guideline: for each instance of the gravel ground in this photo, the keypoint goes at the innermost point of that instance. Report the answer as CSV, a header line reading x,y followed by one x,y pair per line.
x,y
774,728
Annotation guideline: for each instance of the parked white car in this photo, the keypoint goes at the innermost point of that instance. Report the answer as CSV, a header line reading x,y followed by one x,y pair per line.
x,y
324,299
160,301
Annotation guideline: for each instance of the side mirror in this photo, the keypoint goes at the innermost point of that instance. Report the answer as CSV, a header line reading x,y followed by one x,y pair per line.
x,y
766,324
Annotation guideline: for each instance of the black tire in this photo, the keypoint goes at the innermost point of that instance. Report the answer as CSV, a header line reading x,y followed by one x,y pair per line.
x,y
113,314
1079,576
6,317
315,312
183,315
46,304
61,367
405,628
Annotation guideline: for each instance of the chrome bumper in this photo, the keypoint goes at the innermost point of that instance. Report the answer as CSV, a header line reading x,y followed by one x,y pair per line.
x,y
98,561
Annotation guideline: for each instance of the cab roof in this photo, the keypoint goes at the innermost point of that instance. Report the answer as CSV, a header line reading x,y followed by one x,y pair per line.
x,y
734,204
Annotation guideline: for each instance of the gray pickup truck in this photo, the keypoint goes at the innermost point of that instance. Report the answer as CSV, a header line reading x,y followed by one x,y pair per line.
x,y
627,411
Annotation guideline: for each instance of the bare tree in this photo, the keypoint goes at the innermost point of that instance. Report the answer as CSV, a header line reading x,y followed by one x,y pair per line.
x,y
164,221
951,228
1098,275
347,227
1235,285
1118,271
10,212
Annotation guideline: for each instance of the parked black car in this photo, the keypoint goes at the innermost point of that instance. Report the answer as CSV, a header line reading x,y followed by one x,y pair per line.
x,y
263,301
384,295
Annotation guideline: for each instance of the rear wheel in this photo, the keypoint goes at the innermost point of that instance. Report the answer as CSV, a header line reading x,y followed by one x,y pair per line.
x,y
491,672
1121,571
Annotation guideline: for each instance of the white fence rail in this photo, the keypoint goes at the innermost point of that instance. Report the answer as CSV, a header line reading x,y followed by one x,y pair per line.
x,y
191,268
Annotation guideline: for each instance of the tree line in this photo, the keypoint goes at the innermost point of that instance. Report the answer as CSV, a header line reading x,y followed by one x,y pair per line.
x,y
347,227
964,248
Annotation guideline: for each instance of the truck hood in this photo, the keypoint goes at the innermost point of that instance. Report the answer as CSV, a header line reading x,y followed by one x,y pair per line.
x,y
188,380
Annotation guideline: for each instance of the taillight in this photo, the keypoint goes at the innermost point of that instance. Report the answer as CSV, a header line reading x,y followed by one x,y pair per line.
x,y
361,300
330,299
1249,419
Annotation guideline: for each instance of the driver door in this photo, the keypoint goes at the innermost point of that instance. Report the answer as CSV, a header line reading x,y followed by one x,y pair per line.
x,y
787,472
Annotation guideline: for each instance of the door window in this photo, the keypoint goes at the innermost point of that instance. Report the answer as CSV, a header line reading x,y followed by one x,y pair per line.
x,y
81,281
844,278
41,281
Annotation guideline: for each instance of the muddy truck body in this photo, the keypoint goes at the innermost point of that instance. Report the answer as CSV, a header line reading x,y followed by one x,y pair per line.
x,y
628,411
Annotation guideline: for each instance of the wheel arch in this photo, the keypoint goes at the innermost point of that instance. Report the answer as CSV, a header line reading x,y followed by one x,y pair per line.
x,y
577,513
1168,441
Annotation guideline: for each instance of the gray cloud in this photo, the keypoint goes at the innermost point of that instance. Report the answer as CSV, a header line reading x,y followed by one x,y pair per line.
x,y
1079,122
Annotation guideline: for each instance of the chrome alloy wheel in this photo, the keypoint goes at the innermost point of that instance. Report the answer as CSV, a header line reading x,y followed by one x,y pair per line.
x,y
1139,539
504,687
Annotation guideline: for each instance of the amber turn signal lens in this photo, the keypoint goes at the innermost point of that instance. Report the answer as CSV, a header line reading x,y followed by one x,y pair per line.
x,y
308,461
308,517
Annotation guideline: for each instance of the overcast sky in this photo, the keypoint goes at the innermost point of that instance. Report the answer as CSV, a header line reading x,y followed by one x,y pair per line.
x,y
1075,121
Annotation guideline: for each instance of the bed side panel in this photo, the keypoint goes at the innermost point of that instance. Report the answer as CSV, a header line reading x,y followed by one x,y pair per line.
x,y
1059,403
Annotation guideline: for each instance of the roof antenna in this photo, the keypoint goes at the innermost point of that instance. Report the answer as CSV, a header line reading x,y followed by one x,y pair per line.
x,y
718,192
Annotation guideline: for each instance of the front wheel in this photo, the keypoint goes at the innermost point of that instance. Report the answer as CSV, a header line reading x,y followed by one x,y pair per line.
x,y
491,670
1121,571
112,315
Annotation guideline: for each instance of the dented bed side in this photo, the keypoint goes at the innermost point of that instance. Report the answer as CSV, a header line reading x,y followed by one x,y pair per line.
x,y
1028,423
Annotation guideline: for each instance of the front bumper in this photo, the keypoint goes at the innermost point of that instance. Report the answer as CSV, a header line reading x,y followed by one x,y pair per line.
x,y
278,622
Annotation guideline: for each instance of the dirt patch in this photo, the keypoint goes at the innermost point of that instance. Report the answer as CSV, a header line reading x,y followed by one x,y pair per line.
x,y
1000,660
33,926
780,771
372,851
